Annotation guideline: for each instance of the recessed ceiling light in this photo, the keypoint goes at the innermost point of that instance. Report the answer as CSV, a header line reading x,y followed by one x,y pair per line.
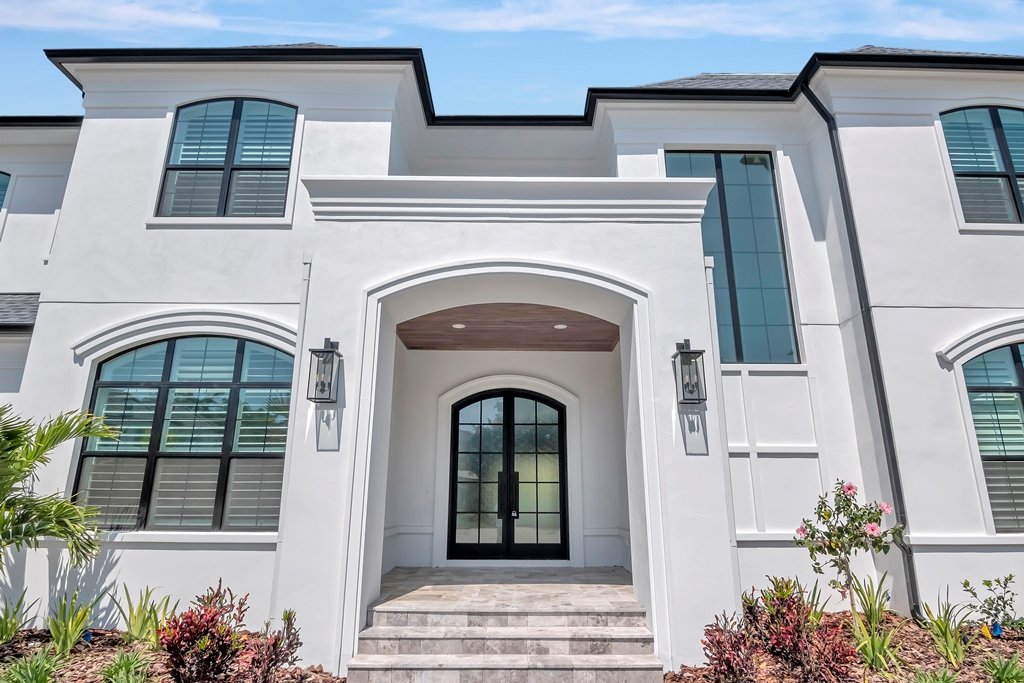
x,y
458,326
561,326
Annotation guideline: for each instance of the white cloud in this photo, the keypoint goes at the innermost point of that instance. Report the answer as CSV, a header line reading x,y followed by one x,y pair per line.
x,y
805,19
126,18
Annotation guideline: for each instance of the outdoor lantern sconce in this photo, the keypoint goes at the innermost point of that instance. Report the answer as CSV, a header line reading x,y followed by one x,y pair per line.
x,y
689,367
323,373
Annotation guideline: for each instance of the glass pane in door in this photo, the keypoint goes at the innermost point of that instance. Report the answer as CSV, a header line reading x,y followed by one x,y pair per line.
x,y
479,466
537,446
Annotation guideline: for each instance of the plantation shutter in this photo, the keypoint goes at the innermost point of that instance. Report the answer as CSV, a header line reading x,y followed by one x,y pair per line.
x,y
997,407
982,179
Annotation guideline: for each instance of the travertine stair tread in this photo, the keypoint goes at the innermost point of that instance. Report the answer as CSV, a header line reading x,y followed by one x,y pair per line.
x,y
507,662
441,607
511,632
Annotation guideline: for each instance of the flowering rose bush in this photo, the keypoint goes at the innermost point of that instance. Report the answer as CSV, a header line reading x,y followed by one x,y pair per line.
x,y
843,527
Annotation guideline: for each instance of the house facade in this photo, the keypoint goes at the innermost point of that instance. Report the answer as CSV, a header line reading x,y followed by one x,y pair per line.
x,y
507,296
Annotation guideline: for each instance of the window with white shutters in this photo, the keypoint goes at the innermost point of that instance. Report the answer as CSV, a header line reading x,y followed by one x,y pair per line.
x,y
995,381
986,150
203,423
229,158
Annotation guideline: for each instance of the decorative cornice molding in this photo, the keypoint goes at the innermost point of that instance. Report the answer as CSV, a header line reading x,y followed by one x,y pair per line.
x,y
521,199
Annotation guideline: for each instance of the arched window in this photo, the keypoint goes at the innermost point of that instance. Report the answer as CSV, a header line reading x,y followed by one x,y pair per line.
x,y
986,150
229,158
995,382
203,423
5,181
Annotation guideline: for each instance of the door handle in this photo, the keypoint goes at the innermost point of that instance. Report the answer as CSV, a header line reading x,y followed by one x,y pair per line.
x,y
501,493
515,495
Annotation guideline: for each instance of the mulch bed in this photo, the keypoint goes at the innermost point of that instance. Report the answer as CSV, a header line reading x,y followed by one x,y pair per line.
x,y
916,651
87,660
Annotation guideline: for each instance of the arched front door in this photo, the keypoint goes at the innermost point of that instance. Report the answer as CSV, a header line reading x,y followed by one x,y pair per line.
x,y
507,484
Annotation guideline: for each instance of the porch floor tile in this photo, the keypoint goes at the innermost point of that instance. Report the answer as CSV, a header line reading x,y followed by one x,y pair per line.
x,y
499,589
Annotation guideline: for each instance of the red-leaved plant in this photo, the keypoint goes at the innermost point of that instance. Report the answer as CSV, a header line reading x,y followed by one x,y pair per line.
x,y
729,651
786,621
267,651
204,641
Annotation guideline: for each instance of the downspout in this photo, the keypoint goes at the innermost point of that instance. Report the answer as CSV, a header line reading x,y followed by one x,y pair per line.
x,y
871,341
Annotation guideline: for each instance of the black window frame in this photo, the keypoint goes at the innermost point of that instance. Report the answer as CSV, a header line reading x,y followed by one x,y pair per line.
x,y
1018,365
719,188
153,453
229,166
1011,175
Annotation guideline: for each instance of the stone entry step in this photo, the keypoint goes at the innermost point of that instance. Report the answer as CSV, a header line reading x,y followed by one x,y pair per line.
x,y
513,640
506,626
468,668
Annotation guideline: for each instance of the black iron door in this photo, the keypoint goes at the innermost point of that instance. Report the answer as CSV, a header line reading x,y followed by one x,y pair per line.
x,y
507,484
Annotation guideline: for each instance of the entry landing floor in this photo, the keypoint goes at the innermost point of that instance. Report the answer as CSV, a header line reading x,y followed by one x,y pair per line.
x,y
500,589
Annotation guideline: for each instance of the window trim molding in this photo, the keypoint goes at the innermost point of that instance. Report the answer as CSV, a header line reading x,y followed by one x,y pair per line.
x,y
962,225
284,221
128,334
775,153
954,355
153,453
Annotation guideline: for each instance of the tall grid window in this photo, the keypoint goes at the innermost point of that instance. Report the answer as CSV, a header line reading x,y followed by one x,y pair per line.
x,y
5,181
986,150
229,158
995,383
742,231
202,423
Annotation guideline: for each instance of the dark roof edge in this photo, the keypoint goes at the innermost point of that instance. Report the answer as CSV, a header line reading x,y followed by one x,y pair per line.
x,y
414,56
40,121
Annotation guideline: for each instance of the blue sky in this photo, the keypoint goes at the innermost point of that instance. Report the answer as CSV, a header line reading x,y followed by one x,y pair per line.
x,y
502,56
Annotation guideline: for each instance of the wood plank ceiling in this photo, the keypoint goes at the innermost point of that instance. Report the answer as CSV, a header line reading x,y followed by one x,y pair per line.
x,y
508,327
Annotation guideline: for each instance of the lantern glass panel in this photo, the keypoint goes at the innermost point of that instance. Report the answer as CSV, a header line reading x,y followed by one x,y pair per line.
x,y
322,385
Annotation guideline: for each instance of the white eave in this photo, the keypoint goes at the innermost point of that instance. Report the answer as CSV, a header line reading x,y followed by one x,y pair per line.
x,y
521,199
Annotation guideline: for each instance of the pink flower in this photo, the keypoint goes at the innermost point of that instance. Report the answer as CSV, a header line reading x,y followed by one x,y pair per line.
x,y
849,489
872,529
842,593
885,508
801,531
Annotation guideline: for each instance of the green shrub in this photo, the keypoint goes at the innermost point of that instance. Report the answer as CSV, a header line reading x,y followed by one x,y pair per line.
x,y
875,642
946,626
998,605
144,616
944,676
1004,670
36,668
67,623
13,618
127,667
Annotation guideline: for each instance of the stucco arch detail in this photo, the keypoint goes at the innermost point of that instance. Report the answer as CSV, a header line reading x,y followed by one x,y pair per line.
x,y
176,323
985,338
